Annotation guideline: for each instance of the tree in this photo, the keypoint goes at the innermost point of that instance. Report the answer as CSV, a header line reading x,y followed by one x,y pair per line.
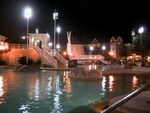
x,y
141,45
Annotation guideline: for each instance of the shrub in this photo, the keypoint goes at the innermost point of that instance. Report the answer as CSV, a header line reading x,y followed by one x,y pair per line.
x,y
38,62
2,62
22,60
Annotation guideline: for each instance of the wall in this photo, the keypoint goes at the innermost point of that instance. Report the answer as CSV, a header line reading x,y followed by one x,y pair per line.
x,y
12,57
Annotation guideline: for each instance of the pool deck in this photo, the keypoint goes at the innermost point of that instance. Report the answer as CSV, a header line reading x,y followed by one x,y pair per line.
x,y
134,70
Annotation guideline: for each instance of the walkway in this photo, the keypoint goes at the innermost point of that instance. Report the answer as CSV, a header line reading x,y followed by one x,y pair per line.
x,y
135,70
91,57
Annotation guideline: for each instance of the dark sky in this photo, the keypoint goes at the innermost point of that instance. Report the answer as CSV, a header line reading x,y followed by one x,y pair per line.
x,y
85,19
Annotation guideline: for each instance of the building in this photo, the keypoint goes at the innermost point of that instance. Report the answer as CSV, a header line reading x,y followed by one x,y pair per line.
x,y
37,48
114,48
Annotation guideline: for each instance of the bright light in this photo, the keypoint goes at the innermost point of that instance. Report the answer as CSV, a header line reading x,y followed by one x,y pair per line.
x,y
23,37
91,48
111,53
4,46
58,46
103,47
141,30
58,29
50,44
55,15
28,13
64,53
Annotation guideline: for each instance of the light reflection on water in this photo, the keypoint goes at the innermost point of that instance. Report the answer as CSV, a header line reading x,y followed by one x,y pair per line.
x,y
55,92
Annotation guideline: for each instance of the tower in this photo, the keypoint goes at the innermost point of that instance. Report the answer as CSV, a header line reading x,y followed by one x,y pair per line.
x,y
116,47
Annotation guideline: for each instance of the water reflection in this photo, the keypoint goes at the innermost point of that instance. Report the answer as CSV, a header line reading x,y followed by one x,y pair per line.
x,y
55,92
111,79
134,83
1,90
57,102
67,83
104,83
36,90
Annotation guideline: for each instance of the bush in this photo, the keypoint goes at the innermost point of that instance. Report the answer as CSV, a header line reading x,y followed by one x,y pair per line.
x,y
2,62
22,60
38,62
47,65
71,65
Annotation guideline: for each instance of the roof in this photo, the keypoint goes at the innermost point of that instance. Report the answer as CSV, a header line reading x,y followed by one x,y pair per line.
x,y
75,41
95,41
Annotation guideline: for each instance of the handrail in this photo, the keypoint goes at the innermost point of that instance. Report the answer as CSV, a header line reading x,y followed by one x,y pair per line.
x,y
58,56
17,46
50,59
125,99
46,55
90,57
38,50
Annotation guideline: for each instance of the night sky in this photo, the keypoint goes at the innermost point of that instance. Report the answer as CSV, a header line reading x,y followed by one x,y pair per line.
x,y
85,19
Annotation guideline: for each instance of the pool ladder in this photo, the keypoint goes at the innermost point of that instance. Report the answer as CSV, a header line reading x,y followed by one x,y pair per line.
x,y
125,99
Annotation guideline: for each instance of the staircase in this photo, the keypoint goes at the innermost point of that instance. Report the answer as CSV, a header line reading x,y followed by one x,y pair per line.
x,y
52,57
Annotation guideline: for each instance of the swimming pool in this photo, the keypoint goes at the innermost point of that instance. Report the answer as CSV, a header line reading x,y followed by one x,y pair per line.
x,y
53,92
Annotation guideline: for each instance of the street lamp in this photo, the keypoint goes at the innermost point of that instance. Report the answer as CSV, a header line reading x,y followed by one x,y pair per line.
x,y
141,30
103,48
27,15
58,30
55,16
50,44
91,48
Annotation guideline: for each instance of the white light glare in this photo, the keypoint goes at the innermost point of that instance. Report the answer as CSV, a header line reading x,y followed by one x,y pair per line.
x,y
58,46
58,29
27,13
103,47
55,15
141,30
91,48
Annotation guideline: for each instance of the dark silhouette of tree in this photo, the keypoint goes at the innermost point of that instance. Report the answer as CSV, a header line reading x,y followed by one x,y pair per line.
x,y
141,45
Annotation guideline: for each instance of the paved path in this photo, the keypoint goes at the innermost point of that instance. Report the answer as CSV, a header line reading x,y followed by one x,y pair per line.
x,y
138,104
135,70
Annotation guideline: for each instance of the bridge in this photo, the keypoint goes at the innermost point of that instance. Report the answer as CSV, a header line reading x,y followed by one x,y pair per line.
x,y
91,57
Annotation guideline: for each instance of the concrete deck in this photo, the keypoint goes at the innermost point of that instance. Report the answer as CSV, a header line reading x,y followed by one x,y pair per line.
x,y
135,70
138,104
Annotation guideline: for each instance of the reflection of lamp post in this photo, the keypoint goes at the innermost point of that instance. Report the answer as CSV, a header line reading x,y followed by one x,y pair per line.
x,y
141,30
55,16
58,30
27,15
103,48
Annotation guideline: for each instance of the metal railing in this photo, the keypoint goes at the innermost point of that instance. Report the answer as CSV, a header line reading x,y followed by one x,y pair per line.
x,y
58,56
125,99
50,58
91,57
47,55
17,46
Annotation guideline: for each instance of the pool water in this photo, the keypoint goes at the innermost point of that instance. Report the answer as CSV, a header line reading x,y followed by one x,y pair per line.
x,y
54,92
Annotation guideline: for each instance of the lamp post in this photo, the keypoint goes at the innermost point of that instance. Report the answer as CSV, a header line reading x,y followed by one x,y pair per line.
x,y
55,16
58,30
141,30
103,48
27,15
